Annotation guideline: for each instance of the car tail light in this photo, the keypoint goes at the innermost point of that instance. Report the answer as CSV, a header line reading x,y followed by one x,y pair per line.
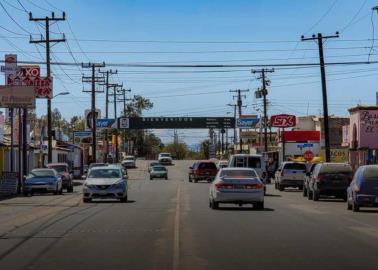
x,y
282,173
223,185
254,186
356,189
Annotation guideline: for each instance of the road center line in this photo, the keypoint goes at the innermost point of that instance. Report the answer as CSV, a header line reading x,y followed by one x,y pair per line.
x,y
176,236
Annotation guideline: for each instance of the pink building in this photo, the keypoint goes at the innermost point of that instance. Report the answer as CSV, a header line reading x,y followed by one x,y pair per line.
x,y
362,136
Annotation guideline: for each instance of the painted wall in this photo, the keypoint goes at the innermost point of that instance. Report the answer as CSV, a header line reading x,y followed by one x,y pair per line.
x,y
366,122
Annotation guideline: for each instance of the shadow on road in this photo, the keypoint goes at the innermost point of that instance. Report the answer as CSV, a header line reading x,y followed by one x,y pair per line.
x,y
272,195
245,209
369,211
110,201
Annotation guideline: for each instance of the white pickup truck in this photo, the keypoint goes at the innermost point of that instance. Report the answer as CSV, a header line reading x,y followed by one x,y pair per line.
x,y
290,174
165,159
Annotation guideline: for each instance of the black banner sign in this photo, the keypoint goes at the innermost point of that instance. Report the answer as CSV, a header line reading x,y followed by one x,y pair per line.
x,y
175,122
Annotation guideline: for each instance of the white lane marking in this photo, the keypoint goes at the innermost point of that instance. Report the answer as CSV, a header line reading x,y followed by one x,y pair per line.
x,y
176,236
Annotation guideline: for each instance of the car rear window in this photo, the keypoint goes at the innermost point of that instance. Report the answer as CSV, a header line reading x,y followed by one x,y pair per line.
x,y
207,165
370,173
295,166
335,168
238,173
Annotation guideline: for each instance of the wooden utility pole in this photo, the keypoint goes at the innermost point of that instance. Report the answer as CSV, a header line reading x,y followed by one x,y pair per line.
x,y
93,79
240,105
47,41
319,38
124,99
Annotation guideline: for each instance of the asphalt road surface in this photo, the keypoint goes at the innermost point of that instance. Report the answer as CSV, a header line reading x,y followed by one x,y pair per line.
x,y
167,224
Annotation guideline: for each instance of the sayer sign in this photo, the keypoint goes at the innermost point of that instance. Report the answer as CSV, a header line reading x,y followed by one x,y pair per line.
x,y
283,120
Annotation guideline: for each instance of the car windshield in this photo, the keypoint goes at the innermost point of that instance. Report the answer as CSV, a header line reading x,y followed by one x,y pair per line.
x,y
165,155
42,173
154,164
335,169
129,158
159,169
238,173
105,173
59,168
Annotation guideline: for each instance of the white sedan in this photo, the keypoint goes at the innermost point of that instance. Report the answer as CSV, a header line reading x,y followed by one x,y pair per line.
x,y
237,186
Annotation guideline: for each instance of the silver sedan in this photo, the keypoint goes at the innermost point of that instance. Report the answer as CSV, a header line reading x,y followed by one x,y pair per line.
x,y
237,186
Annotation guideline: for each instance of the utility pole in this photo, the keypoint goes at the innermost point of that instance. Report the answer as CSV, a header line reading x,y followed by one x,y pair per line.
x,y
106,136
47,42
124,99
240,105
93,79
264,93
319,38
115,86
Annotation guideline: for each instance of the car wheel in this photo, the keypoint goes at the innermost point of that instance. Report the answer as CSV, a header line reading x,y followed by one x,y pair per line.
x,y
166,178
151,178
86,200
70,188
195,181
26,194
189,178
345,198
123,200
315,196
259,206
355,207
304,193
280,188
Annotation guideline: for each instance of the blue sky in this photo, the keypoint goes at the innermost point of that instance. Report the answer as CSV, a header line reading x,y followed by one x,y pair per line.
x,y
230,32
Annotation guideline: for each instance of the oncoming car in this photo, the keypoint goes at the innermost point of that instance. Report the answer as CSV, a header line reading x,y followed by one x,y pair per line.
x,y
105,183
237,186
158,172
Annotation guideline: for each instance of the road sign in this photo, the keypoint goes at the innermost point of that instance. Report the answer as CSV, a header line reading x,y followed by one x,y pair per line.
x,y
176,122
283,120
308,155
105,123
88,117
82,137
247,122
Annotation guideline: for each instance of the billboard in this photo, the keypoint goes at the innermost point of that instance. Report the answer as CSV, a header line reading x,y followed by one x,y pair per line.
x,y
17,97
105,123
247,122
176,122
29,75
283,120
81,137
88,117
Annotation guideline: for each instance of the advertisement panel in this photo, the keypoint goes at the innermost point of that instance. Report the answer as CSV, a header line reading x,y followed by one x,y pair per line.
x,y
301,136
17,97
298,149
247,122
337,155
88,117
283,120
82,137
105,123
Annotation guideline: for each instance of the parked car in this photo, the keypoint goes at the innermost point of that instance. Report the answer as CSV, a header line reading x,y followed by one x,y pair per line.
x,y
159,172
237,186
43,180
307,180
105,183
165,159
202,170
129,162
255,162
290,174
222,164
64,173
152,164
363,190
330,179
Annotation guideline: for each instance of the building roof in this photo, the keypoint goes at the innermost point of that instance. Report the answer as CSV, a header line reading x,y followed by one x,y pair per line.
x,y
363,108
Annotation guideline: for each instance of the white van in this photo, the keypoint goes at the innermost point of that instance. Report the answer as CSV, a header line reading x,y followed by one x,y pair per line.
x,y
255,162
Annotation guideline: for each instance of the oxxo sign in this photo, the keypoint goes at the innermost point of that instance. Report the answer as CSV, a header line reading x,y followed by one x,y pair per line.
x,y
283,120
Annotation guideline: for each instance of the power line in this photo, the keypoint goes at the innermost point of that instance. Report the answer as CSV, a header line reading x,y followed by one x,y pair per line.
x,y
6,11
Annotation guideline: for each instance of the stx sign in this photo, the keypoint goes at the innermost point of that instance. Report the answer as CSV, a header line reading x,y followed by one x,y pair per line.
x,y
283,120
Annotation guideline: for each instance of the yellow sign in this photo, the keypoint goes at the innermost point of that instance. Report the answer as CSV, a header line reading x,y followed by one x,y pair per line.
x,y
337,155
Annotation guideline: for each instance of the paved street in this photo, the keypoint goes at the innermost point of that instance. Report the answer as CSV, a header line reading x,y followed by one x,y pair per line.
x,y
168,225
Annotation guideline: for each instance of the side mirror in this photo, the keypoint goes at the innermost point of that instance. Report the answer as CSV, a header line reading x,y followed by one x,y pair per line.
x,y
126,176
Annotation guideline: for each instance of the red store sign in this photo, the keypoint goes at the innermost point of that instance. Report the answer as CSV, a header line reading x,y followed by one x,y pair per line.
x,y
283,121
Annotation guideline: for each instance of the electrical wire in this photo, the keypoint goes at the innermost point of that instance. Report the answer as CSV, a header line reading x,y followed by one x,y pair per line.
x,y
10,16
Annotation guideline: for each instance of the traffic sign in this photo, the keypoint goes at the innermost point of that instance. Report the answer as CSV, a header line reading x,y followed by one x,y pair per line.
x,y
308,155
247,122
105,123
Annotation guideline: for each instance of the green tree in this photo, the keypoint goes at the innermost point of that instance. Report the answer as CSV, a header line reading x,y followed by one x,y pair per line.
x,y
178,150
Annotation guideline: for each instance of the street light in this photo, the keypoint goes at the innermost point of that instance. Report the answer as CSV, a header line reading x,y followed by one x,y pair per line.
x,y
61,94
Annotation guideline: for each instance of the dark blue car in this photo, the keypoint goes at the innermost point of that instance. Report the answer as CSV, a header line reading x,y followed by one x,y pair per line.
x,y
43,180
363,190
